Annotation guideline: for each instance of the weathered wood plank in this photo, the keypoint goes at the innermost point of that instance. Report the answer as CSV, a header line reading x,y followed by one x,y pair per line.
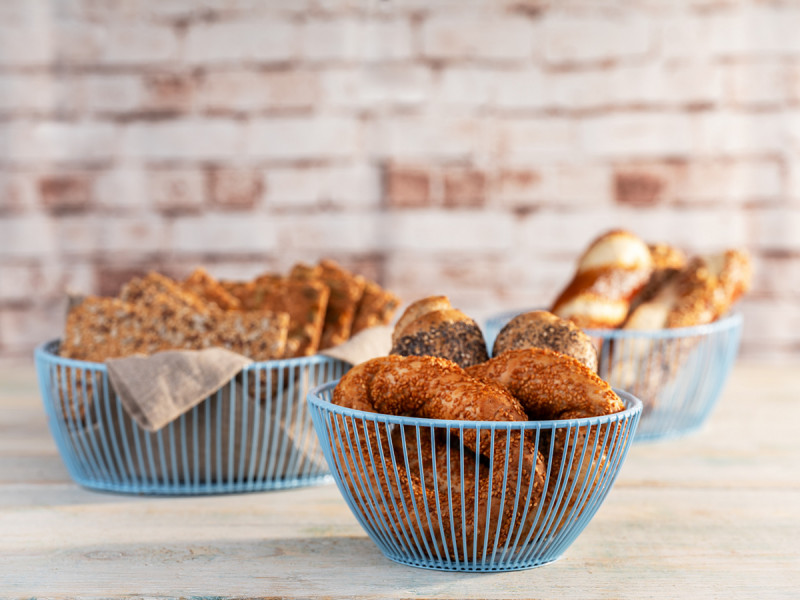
x,y
711,515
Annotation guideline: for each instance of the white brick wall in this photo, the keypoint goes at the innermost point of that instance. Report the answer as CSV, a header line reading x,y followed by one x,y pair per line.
x,y
465,147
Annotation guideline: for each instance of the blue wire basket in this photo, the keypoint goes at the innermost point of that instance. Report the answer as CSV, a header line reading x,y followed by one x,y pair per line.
x,y
677,373
429,501
253,434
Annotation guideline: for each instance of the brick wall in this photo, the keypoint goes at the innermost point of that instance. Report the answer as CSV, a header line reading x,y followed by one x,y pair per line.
x,y
466,147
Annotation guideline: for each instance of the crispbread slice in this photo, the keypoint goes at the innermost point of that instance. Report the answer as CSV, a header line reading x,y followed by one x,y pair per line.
x,y
202,284
377,307
346,291
141,290
98,328
306,302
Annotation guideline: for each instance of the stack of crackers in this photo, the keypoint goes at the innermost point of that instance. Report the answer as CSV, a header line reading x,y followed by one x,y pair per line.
x,y
272,316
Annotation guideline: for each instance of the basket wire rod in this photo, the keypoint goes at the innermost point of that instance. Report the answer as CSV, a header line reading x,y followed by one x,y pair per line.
x,y
475,508
232,401
427,551
256,433
183,449
287,406
98,437
295,425
366,495
55,410
451,519
265,437
428,509
502,492
543,520
277,411
75,427
122,419
517,489
175,442
93,450
218,434
103,416
591,480
159,436
291,424
527,503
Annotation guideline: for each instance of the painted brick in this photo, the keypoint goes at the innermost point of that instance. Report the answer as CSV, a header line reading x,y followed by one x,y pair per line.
x,y
18,282
39,93
168,92
65,193
137,235
387,40
246,90
771,322
28,45
571,39
113,93
777,229
640,187
78,235
21,328
730,133
139,43
466,86
464,188
332,40
261,40
111,276
755,31
220,233
407,187
330,232
524,89
27,236
758,83
182,139
235,189
303,138
406,85
470,231
793,177
416,138
562,184
519,142
475,36
637,134
177,191
58,141
18,193
351,186
122,189
777,276
731,181
685,36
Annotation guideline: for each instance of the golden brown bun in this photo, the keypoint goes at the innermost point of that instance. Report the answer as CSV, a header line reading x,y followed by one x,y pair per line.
x,y
542,329
425,330
416,310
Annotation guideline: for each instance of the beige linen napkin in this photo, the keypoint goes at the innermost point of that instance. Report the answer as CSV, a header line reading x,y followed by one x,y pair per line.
x,y
157,389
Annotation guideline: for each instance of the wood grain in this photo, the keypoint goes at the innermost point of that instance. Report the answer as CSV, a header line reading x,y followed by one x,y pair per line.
x,y
711,515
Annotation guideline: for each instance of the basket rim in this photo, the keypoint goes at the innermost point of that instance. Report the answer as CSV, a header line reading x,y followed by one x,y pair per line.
x,y
729,321
44,353
633,407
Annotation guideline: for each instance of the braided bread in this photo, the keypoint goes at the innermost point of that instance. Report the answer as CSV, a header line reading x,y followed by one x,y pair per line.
x,y
610,273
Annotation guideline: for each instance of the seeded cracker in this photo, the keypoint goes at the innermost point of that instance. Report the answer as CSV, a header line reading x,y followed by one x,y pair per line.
x,y
304,301
140,289
346,291
209,289
377,307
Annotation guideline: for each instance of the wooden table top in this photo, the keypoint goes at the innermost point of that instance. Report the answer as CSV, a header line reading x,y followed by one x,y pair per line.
x,y
712,515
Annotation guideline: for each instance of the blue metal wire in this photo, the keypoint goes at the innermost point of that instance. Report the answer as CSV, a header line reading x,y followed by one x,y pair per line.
x,y
678,373
248,436
418,515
